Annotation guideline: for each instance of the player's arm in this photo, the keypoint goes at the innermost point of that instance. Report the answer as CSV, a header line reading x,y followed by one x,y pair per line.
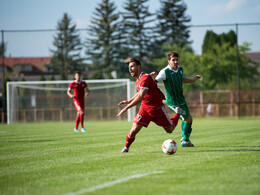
x,y
185,80
137,99
159,77
128,101
69,93
153,75
88,91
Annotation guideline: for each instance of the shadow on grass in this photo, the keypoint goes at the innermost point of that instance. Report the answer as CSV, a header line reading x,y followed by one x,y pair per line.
x,y
228,149
24,141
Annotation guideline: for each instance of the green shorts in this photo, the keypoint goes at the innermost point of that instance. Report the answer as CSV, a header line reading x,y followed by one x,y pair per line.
x,y
184,107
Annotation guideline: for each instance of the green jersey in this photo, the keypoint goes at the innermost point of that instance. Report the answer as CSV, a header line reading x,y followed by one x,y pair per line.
x,y
173,84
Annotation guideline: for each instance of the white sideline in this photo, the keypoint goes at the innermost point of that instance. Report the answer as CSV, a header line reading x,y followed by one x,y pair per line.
x,y
110,183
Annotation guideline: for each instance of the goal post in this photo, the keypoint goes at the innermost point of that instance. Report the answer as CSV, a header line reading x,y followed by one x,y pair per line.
x,y
43,101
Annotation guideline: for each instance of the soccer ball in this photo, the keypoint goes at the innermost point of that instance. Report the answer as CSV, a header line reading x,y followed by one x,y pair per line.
x,y
169,146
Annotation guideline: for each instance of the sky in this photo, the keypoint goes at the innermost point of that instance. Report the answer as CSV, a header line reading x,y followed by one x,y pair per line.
x,y
45,14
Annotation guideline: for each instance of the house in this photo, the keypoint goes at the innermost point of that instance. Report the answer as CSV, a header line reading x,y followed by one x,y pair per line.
x,y
27,68
255,56
23,66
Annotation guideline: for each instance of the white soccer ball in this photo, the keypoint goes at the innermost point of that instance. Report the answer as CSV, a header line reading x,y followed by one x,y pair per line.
x,y
169,146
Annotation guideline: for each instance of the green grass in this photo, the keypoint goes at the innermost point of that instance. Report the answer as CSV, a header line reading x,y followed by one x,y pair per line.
x,y
48,158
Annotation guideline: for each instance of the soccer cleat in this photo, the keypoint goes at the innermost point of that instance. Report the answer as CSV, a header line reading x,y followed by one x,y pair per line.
x,y
83,130
186,144
76,130
124,150
181,140
179,110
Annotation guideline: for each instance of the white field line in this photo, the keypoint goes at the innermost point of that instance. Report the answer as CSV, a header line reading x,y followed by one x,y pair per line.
x,y
110,183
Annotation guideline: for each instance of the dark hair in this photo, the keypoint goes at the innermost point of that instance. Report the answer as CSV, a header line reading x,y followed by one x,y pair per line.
x,y
78,72
172,54
137,62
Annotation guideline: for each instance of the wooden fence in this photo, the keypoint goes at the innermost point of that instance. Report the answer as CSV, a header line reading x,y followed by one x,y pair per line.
x,y
201,104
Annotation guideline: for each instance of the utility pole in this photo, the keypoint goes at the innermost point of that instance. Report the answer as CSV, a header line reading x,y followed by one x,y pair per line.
x,y
237,70
3,59
3,79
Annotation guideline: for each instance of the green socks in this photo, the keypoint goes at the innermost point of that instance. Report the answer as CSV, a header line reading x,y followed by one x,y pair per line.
x,y
186,130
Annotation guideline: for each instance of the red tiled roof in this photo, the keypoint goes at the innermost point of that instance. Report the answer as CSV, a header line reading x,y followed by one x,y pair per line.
x,y
38,62
255,56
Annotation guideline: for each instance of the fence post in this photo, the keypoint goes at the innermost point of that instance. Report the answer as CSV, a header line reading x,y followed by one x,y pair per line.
x,y
253,103
201,104
231,100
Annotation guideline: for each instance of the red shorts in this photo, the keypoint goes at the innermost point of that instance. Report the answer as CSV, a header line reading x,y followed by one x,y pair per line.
x,y
79,104
157,115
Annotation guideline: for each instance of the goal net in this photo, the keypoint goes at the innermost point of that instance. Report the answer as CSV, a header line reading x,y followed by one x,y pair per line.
x,y
43,101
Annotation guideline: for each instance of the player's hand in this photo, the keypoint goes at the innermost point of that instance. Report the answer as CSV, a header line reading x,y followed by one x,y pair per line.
x,y
197,77
153,74
123,102
87,94
71,96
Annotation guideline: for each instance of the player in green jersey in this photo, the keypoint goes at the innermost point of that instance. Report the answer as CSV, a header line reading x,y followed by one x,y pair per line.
x,y
172,76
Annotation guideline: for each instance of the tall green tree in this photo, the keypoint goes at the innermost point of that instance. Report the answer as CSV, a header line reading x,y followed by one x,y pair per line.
x,y
218,67
211,38
172,27
103,42
219,61
138,23
66,55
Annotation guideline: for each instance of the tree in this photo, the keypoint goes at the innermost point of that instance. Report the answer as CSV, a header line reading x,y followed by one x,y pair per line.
x,y
218,62
66,57
103,44
138,22
218,67
2,48
172,27
212,38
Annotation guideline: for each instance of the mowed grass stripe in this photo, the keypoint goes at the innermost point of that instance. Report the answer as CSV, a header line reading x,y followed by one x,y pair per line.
x,y
48,158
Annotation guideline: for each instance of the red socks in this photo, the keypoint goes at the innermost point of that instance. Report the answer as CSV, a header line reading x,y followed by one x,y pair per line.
x,y
81,118
175,119
129,140
77,121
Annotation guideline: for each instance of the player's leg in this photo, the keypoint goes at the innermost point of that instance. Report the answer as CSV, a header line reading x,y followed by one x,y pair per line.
x,y
82,113
142,119
186,132
82,121
185,124
77,123
131,136
178,111
175,119
80,116
186,128
161,118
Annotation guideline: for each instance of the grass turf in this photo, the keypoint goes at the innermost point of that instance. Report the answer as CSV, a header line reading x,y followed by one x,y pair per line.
x,y
49,158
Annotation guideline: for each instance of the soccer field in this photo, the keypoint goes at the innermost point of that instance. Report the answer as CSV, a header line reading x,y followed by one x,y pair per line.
x,y
49,158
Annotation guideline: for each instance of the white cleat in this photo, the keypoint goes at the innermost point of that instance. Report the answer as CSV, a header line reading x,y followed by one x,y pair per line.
x,y
124,150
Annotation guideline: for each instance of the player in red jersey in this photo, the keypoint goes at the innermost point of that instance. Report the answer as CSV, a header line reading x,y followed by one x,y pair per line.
x,y
152,108
78,86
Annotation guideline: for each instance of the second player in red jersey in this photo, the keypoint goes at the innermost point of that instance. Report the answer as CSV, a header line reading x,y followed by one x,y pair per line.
x,y
152,108
78,86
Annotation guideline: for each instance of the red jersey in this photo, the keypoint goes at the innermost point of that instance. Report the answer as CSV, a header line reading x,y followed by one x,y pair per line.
x,y
154,96
78,89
